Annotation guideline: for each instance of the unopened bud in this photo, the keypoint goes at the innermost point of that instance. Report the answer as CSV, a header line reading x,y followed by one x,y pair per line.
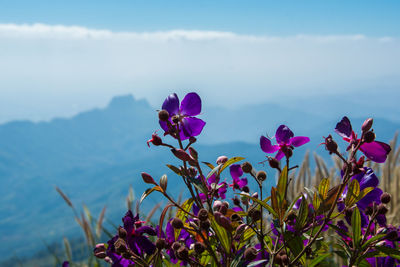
x,y
224,222
148,179
163,115
183,253
330,144
181,154
366,126
235,217
100,251
382,209
369,137
246,189
155,140
223,209
161,243
236,201
203,214
247,167
122,232
385,198
240,229
205,225
164,182
250,253
193,153
222,159
177,223
217,204
199,247
261,175
274,163
217,215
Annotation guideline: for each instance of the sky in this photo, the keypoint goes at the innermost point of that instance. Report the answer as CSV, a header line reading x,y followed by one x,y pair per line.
x,y
58,58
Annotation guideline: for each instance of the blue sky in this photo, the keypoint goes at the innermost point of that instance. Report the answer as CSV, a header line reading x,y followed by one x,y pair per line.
x,y
373,18
58,58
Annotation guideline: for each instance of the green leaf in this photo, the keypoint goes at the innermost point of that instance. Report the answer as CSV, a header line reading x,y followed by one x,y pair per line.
x,y
318,259
323,188
230,162
282,183
187,206
295,244
364,192
316,201
356,226
391,252
216,169
262,203
291,205
352,193
254,263
373,239
209,165
222,235
303,214
274,202
175,169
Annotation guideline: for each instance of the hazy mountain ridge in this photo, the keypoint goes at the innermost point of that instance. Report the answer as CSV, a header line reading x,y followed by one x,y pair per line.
x,y
95,156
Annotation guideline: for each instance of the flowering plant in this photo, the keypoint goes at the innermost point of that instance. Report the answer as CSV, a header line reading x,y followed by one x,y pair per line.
x,y
226,223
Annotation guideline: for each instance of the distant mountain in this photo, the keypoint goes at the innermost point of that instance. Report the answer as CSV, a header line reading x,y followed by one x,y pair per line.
x,y
96,155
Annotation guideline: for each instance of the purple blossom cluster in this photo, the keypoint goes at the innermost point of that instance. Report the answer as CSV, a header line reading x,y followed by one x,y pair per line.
x,y
225,222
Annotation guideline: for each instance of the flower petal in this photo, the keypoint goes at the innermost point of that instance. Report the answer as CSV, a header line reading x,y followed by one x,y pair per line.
x,y
145,229
236,171
171,104
191,105
283,134
299,141
266,145
191,126
279,155
373,196
343,128
376,151
367,179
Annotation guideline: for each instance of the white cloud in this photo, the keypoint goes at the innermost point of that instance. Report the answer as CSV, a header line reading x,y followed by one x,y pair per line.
x,y
56,70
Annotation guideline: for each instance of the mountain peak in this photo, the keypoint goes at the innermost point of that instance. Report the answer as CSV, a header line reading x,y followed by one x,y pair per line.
x,y
122,101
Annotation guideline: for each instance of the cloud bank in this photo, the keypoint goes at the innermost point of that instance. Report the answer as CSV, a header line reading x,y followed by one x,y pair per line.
x,y
57,70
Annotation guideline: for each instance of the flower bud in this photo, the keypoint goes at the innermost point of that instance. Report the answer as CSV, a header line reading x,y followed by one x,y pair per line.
x,y
122,232
182,253
369,137
217,215
235,217
382,209
163,115
148,179
223,209
250,253
155,140
161,243
100,251
205,225
287,151
240,229
393,235
366,126
385,198
177,223
181,154
222,160
261,175
273,163
193,153
217,204
176,245
199,247
164,182
192,139
224,222
246,189
192,172
330,144
247,167
255,214
236,201
203,214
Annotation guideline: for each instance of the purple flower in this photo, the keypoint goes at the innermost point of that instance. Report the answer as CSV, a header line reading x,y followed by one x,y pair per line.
x,y
285,140
236,173
219,192
135,240
183,114
65,264
375,151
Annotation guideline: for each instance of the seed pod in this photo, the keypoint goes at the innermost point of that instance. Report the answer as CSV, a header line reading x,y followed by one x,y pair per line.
x,y
246,189
385,198
122,232
330,144
247,167
223,209
217,204
240,229
274,163
236,201
250,253
203,214
161,243
177,223
224,222
261,176
163,115
369,137
382,209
